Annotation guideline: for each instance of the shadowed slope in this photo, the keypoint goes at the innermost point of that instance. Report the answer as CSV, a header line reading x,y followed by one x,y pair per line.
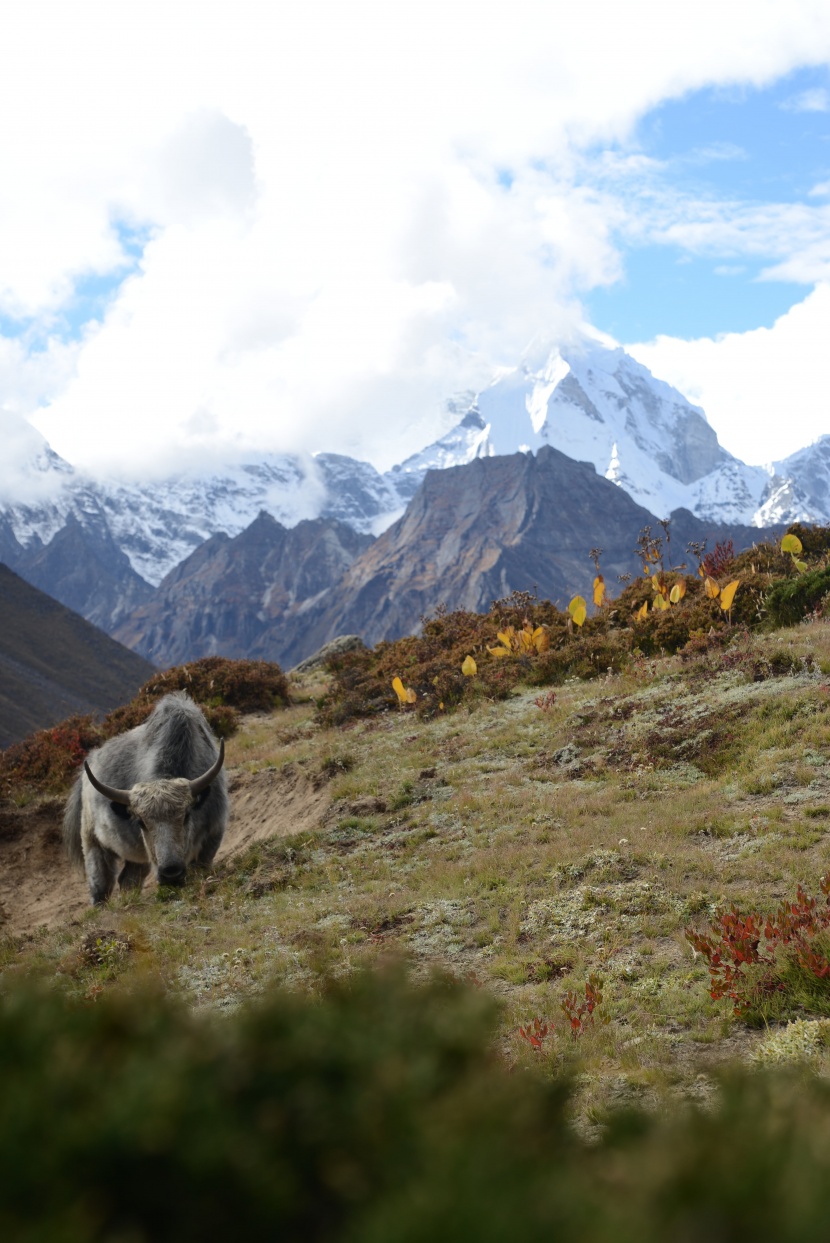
x,y
53,663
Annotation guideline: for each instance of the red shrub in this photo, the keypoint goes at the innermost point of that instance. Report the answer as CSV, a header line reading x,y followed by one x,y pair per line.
x,y
744,951
720,560
48,759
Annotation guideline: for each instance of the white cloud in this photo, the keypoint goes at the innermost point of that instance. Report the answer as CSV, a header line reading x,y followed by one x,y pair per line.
x,y
815,100
764,391
331,248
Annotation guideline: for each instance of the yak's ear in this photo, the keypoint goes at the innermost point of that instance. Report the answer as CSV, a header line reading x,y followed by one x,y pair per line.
x,y
201,798
122,812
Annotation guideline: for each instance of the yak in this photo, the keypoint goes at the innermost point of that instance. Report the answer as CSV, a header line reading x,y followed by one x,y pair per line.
x,y
153,795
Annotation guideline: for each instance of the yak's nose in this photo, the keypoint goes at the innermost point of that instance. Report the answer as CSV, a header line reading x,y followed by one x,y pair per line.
x,y
172,874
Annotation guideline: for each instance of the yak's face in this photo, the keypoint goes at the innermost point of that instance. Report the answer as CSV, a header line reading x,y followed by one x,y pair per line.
x,y
163,809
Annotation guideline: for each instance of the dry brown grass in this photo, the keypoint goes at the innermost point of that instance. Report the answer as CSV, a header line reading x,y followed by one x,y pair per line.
x,y
523,849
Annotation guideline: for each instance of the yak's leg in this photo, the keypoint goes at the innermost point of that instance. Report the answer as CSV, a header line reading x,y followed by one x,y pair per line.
x,y
133,875
101,870
209,847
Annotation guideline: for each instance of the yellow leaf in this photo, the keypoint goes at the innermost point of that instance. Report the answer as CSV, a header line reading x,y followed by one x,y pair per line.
x,y
660,602
525,640
499,652
441,706
728,594
398,688
801,566
541,639
711,588
656,585
642,613
506,636
410,695
599,590
678,591
577,603
578,614
469,668
791,543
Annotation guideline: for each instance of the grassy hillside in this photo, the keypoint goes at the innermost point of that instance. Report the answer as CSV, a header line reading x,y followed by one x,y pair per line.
x,y
592,856
524,845
54,663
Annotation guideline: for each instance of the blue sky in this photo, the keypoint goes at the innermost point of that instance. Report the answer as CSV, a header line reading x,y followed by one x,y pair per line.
x,y
729,145
238,228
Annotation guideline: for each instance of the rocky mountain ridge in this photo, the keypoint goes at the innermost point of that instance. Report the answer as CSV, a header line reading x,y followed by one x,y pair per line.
x,y
103,548
471,534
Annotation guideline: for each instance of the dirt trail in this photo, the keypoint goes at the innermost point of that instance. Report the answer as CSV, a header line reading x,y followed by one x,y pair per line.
x,y
38,887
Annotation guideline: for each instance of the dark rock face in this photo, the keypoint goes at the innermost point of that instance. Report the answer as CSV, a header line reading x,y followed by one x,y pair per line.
x,y
471,534
53,663
231,597
474,533
84,569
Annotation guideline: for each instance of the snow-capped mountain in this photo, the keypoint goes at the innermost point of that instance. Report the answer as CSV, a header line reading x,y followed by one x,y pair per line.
x,y
467,440
157,525
592,403
799,484
598,405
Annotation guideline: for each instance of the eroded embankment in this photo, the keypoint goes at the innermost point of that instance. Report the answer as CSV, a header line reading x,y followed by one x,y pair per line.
x,y
39,888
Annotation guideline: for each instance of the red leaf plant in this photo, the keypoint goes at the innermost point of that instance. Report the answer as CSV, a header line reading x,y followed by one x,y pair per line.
x,y
737,941
580,1012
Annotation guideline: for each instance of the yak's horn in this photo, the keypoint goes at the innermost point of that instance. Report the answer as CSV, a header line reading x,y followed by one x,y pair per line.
x,y
202,783
110,792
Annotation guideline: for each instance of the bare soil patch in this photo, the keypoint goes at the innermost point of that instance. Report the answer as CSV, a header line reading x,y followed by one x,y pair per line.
x,y
37,885
39,888
275,802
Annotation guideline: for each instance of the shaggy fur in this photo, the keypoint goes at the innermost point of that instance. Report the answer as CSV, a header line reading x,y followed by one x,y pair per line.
x,y
162,824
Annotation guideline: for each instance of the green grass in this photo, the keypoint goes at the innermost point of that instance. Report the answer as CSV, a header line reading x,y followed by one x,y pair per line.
x,y
520,849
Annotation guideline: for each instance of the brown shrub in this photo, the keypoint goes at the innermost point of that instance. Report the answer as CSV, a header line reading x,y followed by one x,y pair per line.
x,y
218,684
46,762
720,560
430,663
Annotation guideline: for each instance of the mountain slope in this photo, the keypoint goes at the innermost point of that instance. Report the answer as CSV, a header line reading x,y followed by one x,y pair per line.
x,y
232,597
83,567
591,403
471,534
475,533
54,663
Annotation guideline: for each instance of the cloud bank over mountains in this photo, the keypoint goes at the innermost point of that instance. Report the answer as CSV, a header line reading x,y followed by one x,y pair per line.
x,y
227,228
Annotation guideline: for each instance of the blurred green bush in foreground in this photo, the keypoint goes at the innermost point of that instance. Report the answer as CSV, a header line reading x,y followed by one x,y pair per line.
x,y
377,1112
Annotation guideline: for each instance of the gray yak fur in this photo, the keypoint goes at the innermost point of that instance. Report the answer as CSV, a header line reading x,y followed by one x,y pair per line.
x,y
158,820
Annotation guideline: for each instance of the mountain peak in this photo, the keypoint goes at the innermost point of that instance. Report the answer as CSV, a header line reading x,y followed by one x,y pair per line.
x,y
584,397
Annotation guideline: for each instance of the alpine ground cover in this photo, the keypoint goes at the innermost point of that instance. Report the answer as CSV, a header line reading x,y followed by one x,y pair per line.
x,y
572,858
